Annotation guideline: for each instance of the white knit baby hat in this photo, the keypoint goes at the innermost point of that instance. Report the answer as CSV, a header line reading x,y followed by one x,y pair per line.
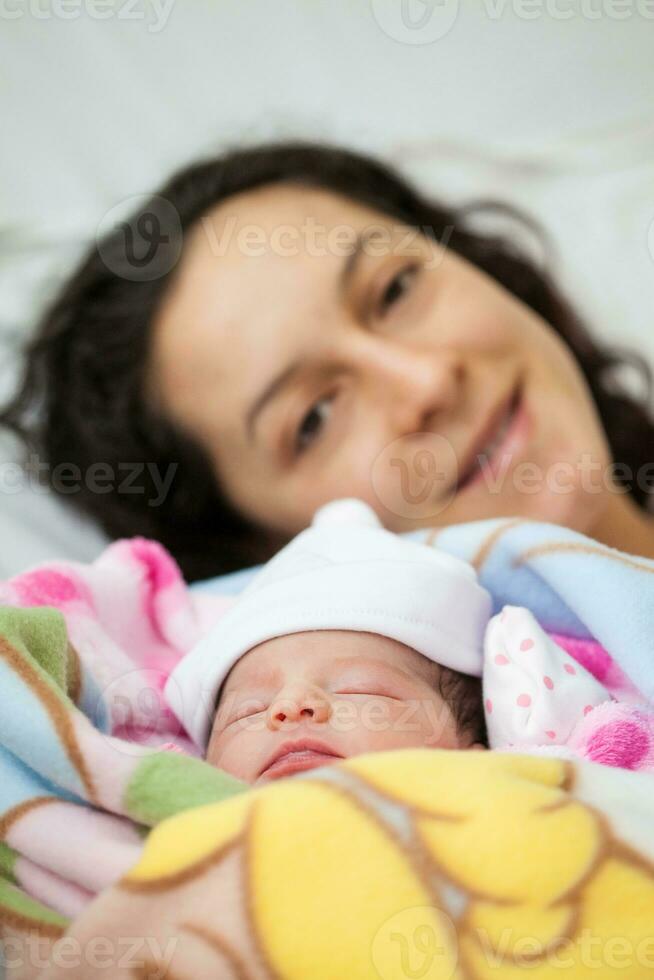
x,y
344,572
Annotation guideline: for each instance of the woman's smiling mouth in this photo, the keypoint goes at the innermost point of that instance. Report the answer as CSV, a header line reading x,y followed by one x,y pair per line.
x,y
504,435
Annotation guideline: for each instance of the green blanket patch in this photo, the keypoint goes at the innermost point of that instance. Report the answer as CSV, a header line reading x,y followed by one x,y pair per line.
x,y
7,862
166,783
19,910
40,635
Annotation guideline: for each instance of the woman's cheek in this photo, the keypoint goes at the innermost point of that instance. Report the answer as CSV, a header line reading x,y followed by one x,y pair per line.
x,y
347,473
473,312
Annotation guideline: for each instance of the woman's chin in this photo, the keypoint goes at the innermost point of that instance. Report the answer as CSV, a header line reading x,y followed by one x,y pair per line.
x,y
575,507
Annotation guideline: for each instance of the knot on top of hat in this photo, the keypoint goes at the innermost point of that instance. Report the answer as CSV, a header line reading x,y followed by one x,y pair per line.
x,y
290,564
348,510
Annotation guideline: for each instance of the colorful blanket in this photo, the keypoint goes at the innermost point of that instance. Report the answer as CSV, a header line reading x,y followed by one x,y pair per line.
x,y
91,759
408,864
80,706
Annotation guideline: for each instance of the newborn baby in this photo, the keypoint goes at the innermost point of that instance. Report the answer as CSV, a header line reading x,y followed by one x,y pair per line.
x,y
353,639
350,640
309,699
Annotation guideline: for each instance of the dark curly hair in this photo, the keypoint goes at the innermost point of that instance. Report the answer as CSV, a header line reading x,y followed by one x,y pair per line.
x,y
83,394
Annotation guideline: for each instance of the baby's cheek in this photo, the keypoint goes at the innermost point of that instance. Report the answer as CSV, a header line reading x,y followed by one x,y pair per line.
x,y
236,753
427,722
394,725
215,750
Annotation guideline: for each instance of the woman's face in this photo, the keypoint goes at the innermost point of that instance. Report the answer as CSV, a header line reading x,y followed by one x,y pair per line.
x,y
317,350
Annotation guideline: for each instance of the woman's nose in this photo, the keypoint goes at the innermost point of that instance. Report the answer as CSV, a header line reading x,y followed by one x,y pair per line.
x,y
300,704
413,384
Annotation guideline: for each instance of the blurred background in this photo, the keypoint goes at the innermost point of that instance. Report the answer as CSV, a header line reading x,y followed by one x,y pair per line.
x,y
547,104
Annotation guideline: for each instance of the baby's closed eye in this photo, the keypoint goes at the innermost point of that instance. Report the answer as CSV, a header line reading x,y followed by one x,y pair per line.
x,y
247,709
369,691
376,683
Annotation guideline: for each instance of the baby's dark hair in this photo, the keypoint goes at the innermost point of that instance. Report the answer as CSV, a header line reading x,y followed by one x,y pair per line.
x,y
463,696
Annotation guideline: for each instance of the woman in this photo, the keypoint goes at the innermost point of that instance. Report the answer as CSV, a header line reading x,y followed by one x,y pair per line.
x,y
326,332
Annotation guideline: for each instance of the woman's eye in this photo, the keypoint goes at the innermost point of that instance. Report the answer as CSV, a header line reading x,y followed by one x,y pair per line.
x,y
312,424
397,287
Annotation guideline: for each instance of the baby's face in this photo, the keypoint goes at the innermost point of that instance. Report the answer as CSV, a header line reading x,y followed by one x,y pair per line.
x,y
309,699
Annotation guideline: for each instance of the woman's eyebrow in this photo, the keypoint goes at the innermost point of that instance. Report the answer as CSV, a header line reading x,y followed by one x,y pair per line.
x,y
352,260
280,381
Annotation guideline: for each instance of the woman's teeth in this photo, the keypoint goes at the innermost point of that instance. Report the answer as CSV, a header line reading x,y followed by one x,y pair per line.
x,y
505,434
491,447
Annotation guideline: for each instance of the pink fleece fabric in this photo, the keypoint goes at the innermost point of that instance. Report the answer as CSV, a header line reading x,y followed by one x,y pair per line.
x,y
559,695
132,617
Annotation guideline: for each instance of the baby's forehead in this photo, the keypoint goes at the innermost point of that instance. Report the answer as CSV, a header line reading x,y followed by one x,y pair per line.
x,y
330,651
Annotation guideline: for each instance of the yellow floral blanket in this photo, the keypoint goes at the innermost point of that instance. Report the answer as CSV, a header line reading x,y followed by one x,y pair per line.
x,y
408,864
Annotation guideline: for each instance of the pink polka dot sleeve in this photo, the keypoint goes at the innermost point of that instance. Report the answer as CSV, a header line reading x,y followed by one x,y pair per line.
x,y
534,692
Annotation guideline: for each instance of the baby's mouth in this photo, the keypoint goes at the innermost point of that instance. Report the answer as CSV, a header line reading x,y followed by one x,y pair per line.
x,y
299,758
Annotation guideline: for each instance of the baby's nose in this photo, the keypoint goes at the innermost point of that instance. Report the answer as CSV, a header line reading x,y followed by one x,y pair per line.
x,y
307,705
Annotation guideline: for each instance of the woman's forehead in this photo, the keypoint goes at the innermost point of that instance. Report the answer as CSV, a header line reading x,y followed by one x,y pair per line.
x,y
258,256
258,243
259,275
272,208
